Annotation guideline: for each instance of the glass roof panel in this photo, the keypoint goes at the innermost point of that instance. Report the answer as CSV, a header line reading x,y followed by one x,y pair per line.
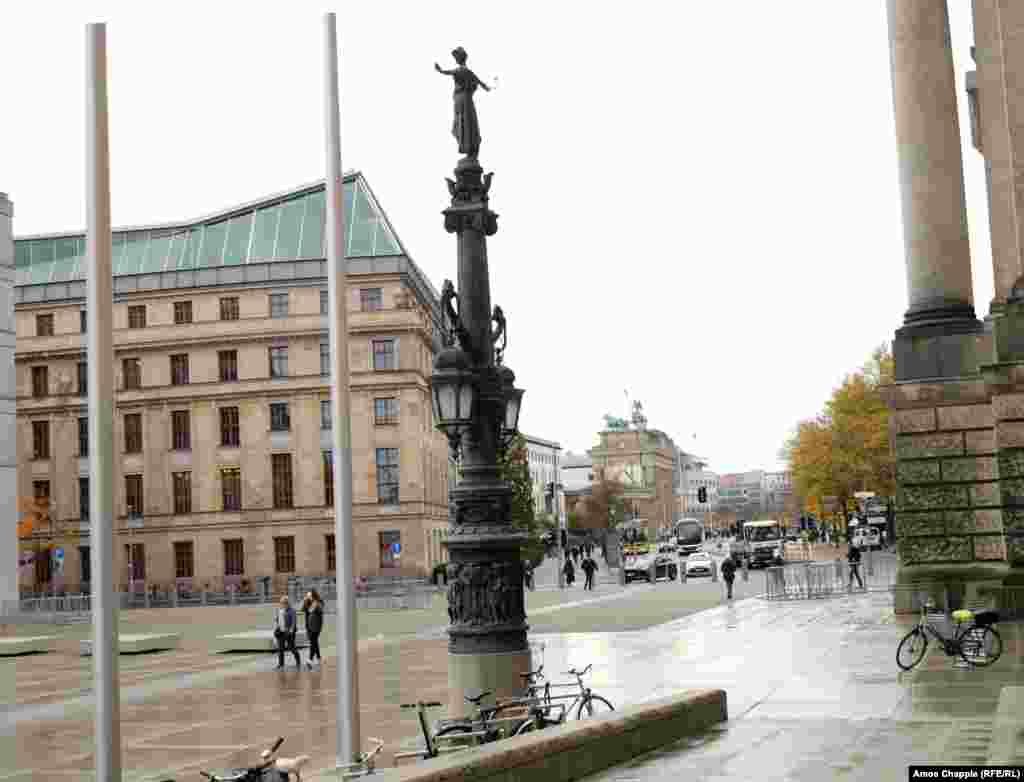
x,y
41,272
22,253
78,272
264,234
361,227
175,250
384,243
120,242
212,253
158,247
192,246
134,252
237,248
42,251
291,225
313,226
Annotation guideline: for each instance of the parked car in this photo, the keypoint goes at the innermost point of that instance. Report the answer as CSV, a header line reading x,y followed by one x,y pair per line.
x,y
638,566
699,563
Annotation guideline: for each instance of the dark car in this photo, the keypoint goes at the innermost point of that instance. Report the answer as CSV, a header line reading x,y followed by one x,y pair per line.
x,y
639,566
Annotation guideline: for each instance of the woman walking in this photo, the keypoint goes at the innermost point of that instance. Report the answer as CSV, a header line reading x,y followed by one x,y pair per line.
x,y
313,608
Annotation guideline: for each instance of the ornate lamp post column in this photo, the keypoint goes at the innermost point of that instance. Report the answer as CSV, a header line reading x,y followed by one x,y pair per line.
x,y
476,405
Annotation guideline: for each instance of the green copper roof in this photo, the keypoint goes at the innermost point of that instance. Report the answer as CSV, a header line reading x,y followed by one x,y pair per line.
x,y
286,227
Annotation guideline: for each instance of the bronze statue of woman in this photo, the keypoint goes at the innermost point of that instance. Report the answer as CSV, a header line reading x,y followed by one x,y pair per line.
x,y
465,127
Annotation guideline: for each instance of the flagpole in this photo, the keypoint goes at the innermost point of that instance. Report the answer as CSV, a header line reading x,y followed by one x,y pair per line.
x,y
99,305
348,672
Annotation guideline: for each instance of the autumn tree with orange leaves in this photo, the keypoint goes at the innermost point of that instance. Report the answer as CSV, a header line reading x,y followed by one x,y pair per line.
x,y
846,448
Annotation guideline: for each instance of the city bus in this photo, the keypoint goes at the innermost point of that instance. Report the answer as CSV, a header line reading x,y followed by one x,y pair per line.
x,y
689,534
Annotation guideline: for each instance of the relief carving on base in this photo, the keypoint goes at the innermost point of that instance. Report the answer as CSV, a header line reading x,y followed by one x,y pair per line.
x,y
485,593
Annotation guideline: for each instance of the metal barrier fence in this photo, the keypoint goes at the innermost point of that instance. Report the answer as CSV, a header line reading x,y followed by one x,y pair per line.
x,y
812,580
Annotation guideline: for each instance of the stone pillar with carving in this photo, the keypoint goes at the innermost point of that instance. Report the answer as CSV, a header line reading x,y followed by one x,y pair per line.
x,y
487,634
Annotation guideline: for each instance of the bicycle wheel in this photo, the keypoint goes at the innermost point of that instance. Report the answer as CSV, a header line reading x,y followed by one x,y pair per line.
x,y
453,730
911,649
592,706
508,719
531,725
981,646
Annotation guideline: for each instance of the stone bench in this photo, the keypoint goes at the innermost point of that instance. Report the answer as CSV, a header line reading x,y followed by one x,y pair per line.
x,y
256,641
25,645
133,644
575,749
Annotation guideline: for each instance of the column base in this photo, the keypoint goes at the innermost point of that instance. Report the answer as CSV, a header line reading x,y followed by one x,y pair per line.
x,y
963,582
496,672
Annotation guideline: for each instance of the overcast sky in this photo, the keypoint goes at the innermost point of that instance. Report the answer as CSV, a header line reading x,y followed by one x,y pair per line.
x,y
698,201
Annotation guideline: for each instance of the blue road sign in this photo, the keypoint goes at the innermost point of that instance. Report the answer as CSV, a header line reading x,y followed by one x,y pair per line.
x,y
396,548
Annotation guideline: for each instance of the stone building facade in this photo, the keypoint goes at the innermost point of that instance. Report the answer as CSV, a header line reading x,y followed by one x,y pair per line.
x,y
222,422
646,462
958,399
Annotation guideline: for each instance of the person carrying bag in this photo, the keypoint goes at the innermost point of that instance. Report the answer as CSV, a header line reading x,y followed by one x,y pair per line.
x,y
285,628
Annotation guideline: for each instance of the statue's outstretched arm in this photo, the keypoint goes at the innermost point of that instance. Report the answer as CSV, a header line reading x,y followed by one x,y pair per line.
x,y
441,70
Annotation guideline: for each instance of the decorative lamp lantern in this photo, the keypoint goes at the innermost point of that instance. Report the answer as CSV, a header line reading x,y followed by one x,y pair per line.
x,y
513,398
453,392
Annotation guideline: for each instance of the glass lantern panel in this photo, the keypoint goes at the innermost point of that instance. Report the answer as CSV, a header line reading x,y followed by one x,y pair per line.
x,y
466,401
446,402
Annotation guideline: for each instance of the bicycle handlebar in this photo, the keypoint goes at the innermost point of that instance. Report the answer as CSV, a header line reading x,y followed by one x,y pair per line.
x,y
574,672
424,704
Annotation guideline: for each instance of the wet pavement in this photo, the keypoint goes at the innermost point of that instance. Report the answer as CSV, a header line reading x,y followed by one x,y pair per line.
x,y
813,689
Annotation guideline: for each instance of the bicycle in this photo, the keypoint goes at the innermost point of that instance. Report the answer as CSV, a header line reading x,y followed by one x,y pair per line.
x,y
585,702
430,749
270,770
508,711
979,643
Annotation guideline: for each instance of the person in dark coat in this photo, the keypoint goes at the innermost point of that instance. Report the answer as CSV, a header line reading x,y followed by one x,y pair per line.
x,y
853,557
285,628
589,568
313,609
728,576
569,570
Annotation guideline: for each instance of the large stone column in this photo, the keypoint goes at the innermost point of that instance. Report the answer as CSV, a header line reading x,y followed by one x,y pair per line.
x,y
8,440
935,235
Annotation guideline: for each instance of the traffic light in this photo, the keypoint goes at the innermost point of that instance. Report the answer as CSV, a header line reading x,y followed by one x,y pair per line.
x,y
702,494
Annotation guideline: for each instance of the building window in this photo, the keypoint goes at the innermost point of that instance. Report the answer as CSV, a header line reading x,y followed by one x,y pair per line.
x,y
182,312
390,548
182,492
179,369
83,436
284,555
44,325
231,488
384,354
331,560
371,299
137,316
387,476
228,361
325,414
133,494
324,308
279,305
181,430
234,557
83,321
229,308
41,492
385,411
281,472
325,358
229,427
133,433
279,361
41,439
184,559
40,381
280,419
135,555
132,373
83,499
328,459
83,378
85,564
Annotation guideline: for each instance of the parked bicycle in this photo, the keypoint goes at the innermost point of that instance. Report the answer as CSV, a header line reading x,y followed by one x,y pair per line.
x,y
430,748
974,639
270,770
584,704
365,763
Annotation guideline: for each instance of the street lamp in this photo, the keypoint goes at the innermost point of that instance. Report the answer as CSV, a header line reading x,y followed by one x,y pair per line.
x,y
477,406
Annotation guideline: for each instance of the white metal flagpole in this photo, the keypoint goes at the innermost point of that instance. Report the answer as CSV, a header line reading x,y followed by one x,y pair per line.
x,y
99,304
348,670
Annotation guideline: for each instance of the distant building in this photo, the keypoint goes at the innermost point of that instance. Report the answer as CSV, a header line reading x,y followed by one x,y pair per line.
x,y
543,457
741,493
696,476
777,492
577,472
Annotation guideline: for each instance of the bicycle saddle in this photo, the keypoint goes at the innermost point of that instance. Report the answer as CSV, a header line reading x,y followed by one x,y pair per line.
x,y
475,699
963,615
531,674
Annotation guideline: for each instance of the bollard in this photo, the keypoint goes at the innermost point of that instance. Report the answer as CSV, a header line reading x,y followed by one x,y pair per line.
x,y
714,571
203,598
652,572
174,597
682,573
870,564
146,597
746,569
234,595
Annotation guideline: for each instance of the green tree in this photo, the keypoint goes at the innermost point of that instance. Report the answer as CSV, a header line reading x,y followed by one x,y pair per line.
x,y
515,468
